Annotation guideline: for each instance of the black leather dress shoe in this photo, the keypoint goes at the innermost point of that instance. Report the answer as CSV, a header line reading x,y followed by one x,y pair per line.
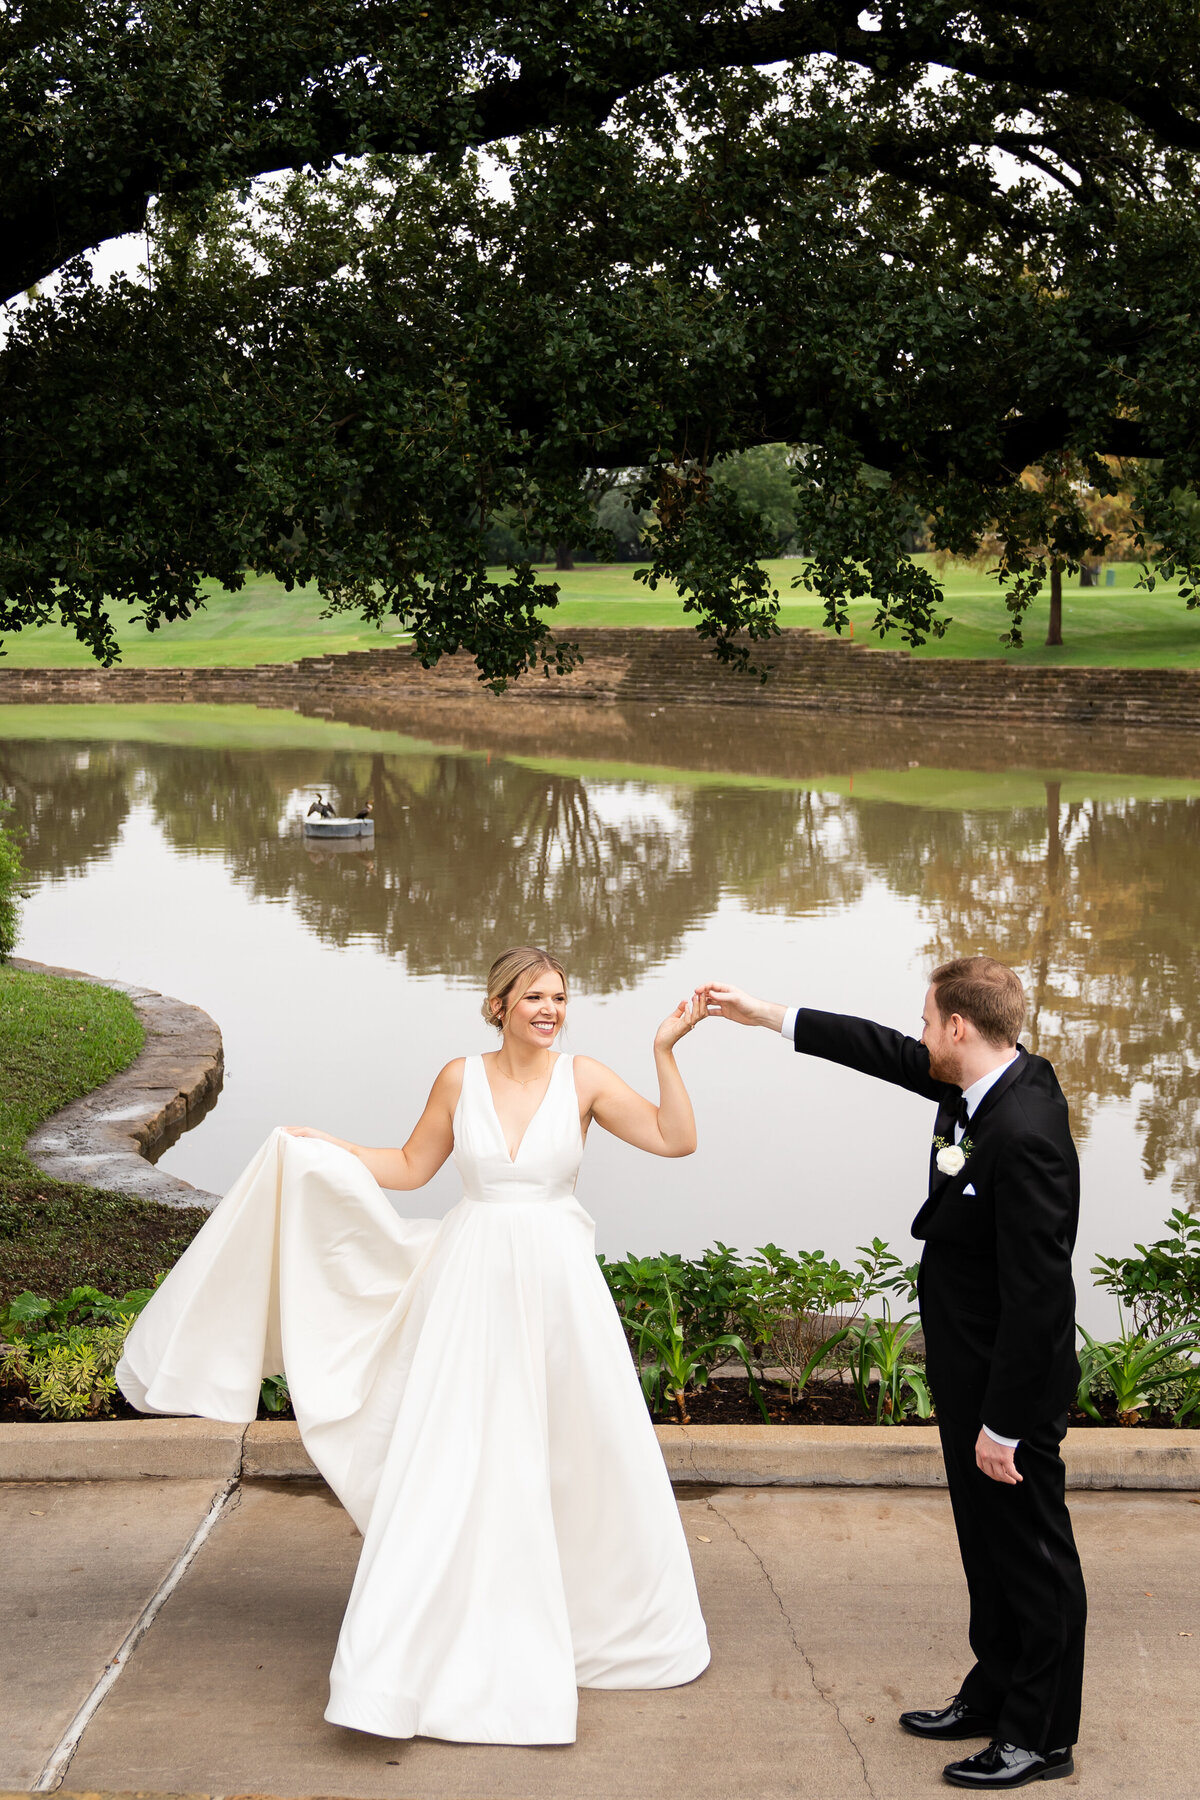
x,y
954,1720
1008,1766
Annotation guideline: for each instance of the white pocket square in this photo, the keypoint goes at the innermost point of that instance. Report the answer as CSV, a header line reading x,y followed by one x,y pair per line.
x,y
968,1189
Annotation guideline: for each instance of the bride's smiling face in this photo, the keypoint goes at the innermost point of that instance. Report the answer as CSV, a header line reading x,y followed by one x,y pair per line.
x,y
537,1015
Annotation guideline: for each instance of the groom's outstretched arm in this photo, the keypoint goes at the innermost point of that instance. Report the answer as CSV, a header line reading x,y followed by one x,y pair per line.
x,y
837,1037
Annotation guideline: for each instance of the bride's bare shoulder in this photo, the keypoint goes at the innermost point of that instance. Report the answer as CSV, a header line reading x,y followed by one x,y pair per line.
x,y
591,1076
448,1083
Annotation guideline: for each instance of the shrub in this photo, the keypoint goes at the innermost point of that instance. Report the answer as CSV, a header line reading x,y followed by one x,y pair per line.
x,y
796,1310
63,1352
1140,1372
10,875
670,1363
71,1376
706,1294
686,1319
1160,1286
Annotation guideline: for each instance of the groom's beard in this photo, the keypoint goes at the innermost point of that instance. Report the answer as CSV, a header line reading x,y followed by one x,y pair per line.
x,y
945,1068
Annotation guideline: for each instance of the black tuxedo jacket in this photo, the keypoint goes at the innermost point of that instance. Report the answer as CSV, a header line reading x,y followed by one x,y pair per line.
x,y
996,1292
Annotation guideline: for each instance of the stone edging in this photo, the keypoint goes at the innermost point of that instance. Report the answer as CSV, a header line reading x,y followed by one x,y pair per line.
x,y
106,1137
812,671
724,1455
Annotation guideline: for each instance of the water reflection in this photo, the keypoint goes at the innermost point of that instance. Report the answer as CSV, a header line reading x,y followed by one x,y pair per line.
x,y
468,851
1094,899
67,801
1098,905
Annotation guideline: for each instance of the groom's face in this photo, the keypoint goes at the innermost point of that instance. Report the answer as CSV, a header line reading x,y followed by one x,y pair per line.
x,y
938,1039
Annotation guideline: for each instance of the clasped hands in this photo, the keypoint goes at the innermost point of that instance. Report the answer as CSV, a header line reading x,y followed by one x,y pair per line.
x,y
716,1000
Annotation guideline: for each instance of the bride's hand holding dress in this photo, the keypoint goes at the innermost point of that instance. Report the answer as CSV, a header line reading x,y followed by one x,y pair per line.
x,y
430,1145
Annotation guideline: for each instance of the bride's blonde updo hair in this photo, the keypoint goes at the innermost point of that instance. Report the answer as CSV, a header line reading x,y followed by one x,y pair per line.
x,y
514,970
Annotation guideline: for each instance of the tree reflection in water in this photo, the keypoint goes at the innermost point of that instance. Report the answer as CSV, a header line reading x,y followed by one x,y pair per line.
x,y
471,854
69,802
1095,902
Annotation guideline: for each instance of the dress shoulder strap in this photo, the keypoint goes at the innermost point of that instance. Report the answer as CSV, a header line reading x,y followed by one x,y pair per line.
x,y
473,1073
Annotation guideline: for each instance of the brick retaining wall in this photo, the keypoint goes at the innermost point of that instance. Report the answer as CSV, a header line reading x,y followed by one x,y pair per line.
x,y
811,672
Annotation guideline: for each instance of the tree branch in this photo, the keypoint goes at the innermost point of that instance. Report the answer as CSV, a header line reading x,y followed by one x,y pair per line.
x,y
82,205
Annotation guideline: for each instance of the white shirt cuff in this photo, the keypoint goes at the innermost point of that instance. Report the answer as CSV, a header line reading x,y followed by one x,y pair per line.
x,y
997,1439
788,1028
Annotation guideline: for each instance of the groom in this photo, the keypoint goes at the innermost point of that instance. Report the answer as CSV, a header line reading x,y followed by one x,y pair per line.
x,y
998,1310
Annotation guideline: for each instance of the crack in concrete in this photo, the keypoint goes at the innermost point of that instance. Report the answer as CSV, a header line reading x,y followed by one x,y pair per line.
x,y
691,1450
802,1653
224,1501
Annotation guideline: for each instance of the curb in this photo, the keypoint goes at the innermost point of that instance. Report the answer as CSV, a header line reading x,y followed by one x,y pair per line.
x,y
724,1455
883,1456
108,1137
122,1450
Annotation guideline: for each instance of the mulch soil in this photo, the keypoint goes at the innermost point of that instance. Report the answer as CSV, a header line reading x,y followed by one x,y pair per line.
x,y
721,1403
729,1402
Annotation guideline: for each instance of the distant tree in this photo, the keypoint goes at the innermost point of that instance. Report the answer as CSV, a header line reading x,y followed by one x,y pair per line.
x,y
621,521
762,480
1069,515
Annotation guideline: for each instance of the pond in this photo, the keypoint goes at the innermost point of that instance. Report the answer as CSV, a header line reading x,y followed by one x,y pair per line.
x,y
816,862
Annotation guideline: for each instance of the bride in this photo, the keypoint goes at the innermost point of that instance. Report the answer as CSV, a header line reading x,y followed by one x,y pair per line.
x,y
463,1384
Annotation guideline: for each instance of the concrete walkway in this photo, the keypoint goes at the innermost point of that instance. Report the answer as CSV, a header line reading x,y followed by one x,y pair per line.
x,y
828,1609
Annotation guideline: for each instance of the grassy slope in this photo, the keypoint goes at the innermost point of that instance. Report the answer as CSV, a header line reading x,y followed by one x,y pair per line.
x,y
1119,626
58,1040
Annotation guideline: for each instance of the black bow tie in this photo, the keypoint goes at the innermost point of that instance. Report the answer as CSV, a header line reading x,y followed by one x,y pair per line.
x,y
962,1117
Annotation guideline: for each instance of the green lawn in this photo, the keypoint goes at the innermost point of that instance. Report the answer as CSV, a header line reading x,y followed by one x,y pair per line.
x,y
58,1040
1119,625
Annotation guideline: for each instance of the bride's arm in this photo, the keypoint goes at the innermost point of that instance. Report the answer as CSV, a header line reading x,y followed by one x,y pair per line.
x,y
422,1156
668,1129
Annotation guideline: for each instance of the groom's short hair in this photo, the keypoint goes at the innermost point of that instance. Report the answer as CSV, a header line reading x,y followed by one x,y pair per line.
x,y
986,992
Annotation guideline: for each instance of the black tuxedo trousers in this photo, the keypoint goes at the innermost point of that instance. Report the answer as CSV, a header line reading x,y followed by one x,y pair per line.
x,y
1028,1604
998,1310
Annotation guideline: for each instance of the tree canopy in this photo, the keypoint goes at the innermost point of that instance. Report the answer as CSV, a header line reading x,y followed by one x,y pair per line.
x,y
413,269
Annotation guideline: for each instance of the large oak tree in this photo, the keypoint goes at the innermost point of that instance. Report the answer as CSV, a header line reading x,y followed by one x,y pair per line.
x,y
931,246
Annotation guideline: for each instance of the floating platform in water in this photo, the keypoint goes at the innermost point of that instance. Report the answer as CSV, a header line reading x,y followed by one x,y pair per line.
x,y
339,828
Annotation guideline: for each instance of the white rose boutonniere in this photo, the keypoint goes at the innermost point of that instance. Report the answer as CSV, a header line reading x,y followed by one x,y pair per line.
x,y
951,1158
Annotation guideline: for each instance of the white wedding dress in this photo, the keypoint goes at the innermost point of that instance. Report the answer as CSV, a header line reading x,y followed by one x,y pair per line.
x,y
465,1388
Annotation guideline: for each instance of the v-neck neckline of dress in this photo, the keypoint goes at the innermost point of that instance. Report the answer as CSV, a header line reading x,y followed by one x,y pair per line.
x,y
512,1157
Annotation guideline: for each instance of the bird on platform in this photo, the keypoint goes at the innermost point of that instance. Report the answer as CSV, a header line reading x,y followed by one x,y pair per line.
x,y
366,811
322,808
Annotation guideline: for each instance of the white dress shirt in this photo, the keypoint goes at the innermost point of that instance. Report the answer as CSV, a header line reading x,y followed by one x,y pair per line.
x,y
972,1095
